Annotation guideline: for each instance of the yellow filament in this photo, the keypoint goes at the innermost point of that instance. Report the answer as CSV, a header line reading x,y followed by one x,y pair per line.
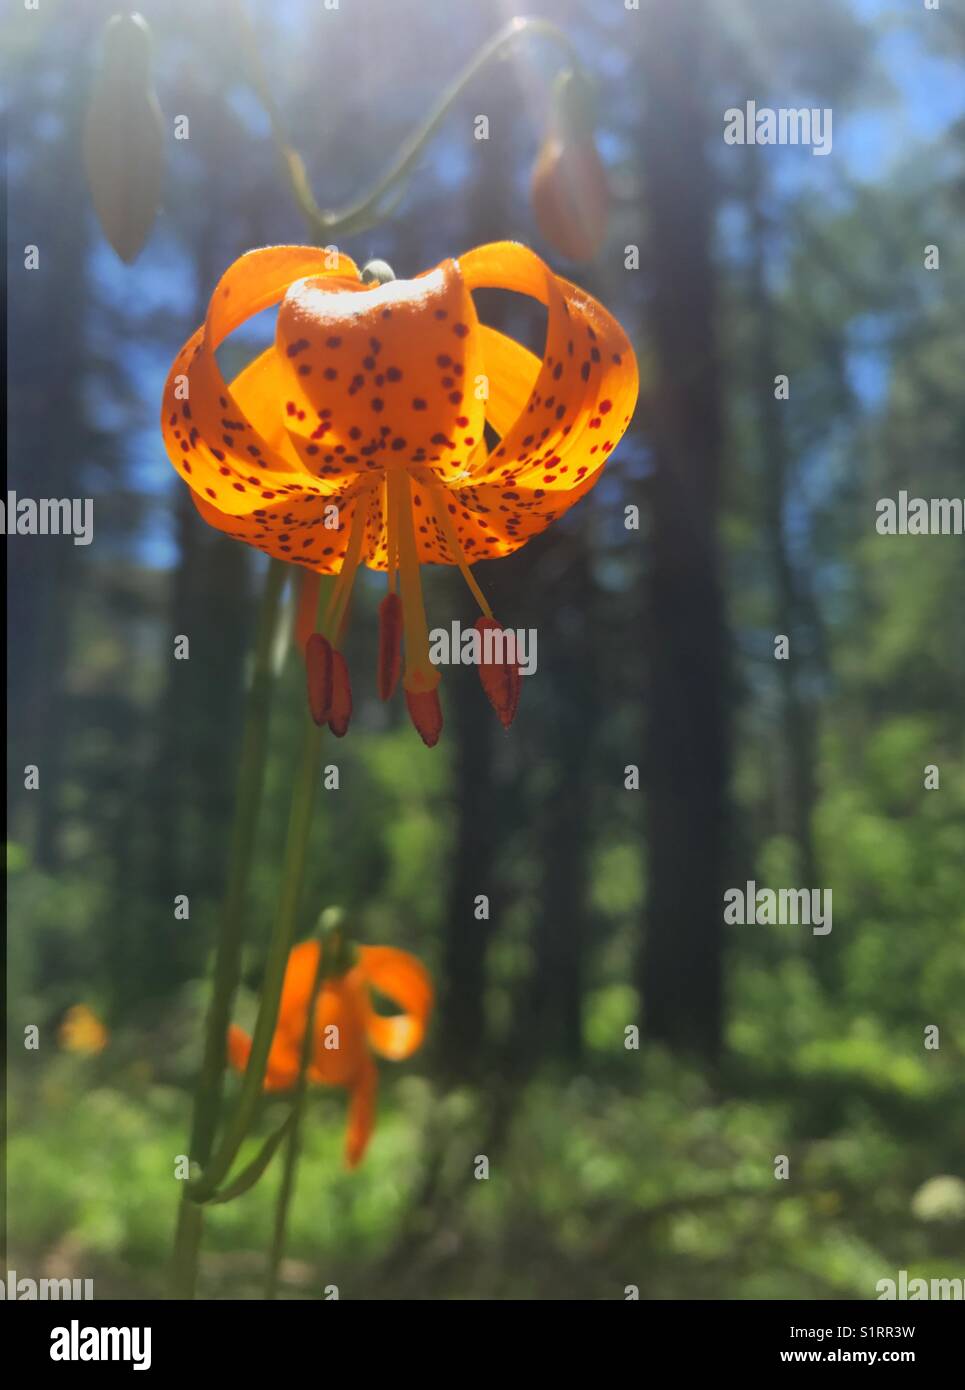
x,y
420,674
452,540
338,603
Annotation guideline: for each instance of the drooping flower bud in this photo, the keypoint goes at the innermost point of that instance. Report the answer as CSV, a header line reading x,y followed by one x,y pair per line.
x,y
340,714
501,679
425,712
319,668
124,138
569,186
390,644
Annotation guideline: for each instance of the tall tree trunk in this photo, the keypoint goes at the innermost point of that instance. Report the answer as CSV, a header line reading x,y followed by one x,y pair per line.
x,y
465,942
198,719
49,463
560,938
480,822
680,965
797,715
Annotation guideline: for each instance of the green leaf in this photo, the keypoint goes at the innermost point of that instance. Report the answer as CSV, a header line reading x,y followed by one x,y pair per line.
x,y
247,1178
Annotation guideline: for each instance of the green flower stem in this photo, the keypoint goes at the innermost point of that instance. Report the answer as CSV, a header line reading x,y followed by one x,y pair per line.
x,y
293,1138
358,216
282,940
285,1191
208,1094
323,226
355,216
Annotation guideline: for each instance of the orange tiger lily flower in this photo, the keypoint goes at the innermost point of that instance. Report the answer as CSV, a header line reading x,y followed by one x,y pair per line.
x,y
358,437
347,1030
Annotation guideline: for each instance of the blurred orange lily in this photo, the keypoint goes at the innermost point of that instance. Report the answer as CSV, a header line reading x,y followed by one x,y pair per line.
x,y
347,1030
82,1031
359,437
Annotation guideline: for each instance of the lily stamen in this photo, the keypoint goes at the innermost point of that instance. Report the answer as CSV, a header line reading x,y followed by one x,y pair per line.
x,y
420,674
340,712
338,604
459,555
421,678
306,615
319,669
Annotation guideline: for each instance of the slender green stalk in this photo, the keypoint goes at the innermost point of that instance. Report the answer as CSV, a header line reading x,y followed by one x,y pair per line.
x,y
323,225
354,217
357,216
282,940
285,1192
208,1094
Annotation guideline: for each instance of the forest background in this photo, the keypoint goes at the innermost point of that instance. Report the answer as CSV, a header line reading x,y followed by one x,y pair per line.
x,y
610,1165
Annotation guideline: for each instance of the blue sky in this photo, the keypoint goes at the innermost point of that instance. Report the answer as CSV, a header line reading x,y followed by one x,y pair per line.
x,y
876,139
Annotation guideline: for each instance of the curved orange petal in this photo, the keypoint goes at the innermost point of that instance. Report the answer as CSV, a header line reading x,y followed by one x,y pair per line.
x,y
339,1046
361,1113
299,979
303,530
296,993
384,376
512,371
238,464
560,418
405,981
488,523
257,390
582,400
260,278
281,1072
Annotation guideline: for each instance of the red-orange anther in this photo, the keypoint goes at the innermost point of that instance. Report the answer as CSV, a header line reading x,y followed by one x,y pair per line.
x,y
501,680
425,712
340,714
319,669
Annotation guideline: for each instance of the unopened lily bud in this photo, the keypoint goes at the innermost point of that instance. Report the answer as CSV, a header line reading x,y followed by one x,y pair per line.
x,y
569,187
340,714
124,138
